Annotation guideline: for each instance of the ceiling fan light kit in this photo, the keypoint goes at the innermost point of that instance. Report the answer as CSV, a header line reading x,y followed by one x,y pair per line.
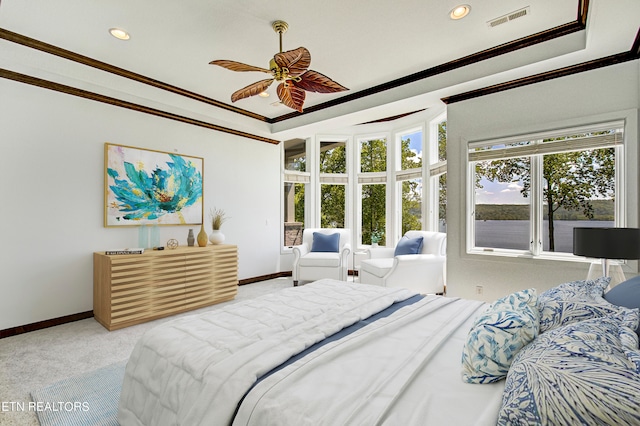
x,y
290,69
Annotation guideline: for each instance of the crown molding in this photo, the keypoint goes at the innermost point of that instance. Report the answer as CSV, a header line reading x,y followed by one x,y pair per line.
x,y
607,61
103,66
46,84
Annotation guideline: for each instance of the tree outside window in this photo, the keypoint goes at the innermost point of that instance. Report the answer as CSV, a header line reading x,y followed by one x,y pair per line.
x,y
373,159
442,179
333,160
373,213
411,160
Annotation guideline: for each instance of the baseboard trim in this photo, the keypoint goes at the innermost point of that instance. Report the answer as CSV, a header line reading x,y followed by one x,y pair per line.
x,y
14,331
265,277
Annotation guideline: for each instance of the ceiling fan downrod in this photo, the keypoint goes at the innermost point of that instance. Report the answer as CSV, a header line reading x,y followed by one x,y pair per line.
x,y
280,27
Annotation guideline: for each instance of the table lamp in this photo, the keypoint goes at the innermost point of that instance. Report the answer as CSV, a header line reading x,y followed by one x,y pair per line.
x,y
607,243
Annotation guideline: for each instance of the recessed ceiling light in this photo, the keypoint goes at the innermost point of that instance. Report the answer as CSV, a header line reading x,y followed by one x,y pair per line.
x,y
460,12
263,94
119,33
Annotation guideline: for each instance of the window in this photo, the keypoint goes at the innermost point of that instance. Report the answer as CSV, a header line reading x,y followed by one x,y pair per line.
x,y
381,183
333,183
333,157
502,204
373,155
372,181
373,220
332,206
293,213
409,179
295,155
296,179
438,171
529,193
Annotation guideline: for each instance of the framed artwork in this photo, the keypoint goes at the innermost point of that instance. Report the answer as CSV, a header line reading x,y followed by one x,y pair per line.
x,y
147,187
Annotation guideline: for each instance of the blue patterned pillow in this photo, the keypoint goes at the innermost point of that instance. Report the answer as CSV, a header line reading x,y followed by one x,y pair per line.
x,y
497,335
582,373
574,301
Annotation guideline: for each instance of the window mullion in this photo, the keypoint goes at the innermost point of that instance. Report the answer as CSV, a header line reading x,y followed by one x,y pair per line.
x,y
536,205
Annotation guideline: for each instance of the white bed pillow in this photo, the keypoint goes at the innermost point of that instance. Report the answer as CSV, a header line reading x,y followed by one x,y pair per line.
x,y
497,335
582,373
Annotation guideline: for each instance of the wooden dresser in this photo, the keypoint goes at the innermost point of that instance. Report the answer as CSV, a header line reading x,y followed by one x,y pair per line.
x,y
132,288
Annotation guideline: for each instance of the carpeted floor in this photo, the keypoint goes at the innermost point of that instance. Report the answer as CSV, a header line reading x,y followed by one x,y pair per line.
x,y
35,360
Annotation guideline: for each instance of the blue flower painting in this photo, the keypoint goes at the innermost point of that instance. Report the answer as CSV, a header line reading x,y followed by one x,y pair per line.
x,y
152,187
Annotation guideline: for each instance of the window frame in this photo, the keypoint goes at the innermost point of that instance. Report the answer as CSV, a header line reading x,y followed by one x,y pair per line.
x,y
536,154
400,175
293,177
372,178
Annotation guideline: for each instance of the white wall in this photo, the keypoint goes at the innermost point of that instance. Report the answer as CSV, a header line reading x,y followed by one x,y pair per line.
x,y
51,215
594,96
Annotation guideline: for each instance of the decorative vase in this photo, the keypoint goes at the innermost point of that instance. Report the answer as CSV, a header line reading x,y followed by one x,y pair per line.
x,y
202,237
216,237
190,238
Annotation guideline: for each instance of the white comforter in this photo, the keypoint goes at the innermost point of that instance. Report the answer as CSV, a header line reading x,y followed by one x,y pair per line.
x,y
400,370
194,370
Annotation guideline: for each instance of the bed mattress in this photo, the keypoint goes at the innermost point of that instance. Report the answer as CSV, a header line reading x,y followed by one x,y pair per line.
x,y
218,368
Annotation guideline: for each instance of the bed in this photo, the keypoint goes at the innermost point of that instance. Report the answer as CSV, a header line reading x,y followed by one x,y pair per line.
x,y
338,353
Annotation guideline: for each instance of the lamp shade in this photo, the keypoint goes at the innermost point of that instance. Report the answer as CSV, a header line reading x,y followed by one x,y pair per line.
x,y
607,243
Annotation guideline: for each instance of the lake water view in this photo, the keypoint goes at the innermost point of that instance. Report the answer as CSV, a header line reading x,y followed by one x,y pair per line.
x,y
514,234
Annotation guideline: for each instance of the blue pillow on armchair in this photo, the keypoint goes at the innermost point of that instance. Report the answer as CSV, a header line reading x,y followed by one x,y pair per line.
x,y
326,242
408,245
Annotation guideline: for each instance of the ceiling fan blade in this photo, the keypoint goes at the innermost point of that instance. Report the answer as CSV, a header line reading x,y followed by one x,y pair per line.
x,y
314,81
291,96
297,60
237,66
251,90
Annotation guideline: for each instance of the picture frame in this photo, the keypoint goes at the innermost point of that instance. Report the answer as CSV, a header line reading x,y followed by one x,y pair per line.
x,y
149,187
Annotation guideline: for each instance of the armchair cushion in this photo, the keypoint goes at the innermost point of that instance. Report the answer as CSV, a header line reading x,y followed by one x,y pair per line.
x,y
325,242
408,245
320,259
378,267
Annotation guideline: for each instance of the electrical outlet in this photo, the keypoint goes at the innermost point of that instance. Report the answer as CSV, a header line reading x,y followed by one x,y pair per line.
x,y
479,289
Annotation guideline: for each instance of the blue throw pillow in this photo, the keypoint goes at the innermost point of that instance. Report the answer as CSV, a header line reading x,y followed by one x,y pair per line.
x,y
626,294
408,246
325,242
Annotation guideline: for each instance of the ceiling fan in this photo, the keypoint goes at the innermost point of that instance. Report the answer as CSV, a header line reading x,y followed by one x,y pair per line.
x,y
290,68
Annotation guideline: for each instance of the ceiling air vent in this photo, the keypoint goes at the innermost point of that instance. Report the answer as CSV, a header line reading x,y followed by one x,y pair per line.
x,y
509,17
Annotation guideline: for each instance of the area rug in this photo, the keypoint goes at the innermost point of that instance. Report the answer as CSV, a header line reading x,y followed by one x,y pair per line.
x,y
90,399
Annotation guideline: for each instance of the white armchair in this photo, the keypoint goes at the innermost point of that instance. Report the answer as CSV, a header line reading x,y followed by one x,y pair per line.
x,y
423,272
325,258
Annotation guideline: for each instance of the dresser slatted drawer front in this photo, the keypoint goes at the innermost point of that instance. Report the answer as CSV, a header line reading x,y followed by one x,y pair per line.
x,y
130,289
220,266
